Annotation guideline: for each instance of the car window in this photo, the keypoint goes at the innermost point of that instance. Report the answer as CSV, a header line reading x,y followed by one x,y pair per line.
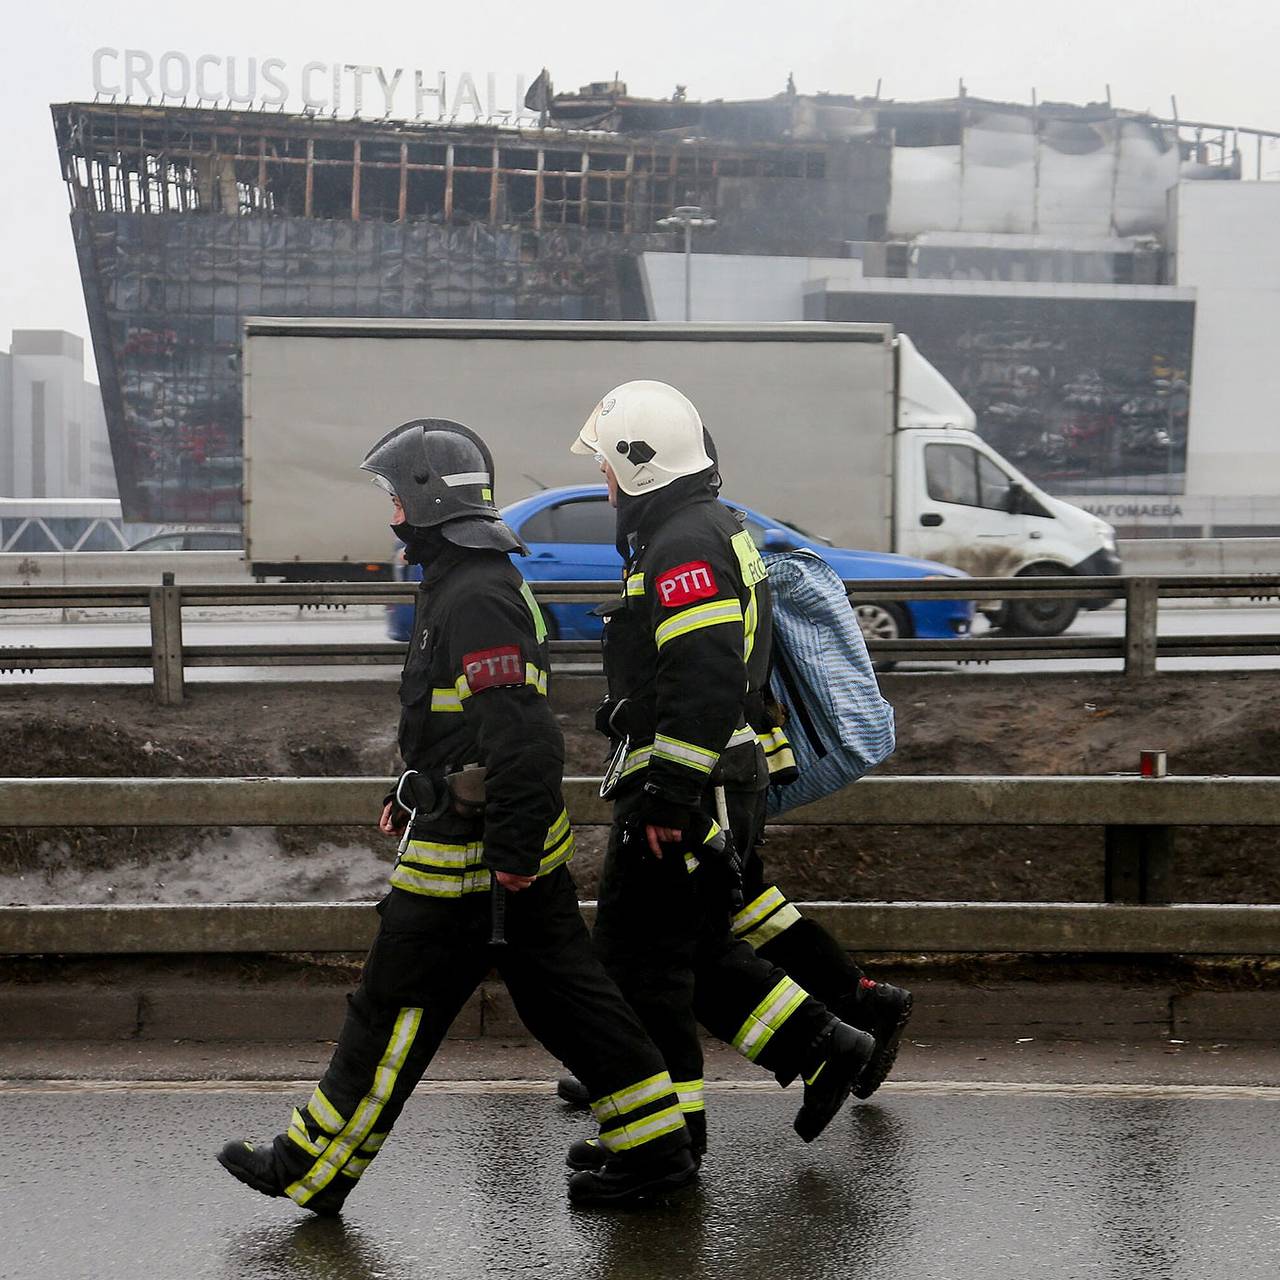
x,y
993,484
589,520
164,542
540,527
214,541
950,474
957,473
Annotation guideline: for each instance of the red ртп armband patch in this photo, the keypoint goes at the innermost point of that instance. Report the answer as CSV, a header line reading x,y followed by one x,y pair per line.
x,y
492,668
686,583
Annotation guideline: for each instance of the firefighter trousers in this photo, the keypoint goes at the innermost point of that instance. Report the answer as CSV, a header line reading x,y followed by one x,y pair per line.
x,y
775,928
663,932
430,954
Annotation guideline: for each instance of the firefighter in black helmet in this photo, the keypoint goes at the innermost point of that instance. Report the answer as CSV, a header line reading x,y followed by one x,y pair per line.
x,y
473,696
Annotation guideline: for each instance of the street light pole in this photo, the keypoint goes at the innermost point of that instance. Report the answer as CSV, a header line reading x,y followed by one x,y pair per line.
x,y
688,270
686,217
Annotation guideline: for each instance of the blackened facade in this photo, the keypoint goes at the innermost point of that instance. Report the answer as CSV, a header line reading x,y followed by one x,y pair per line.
x,y
1086,395
186,221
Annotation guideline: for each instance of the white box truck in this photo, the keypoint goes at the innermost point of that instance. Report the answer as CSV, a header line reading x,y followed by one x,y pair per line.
x,y
844,429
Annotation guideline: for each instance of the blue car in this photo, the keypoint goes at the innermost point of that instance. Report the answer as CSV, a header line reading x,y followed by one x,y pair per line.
x,y
570,535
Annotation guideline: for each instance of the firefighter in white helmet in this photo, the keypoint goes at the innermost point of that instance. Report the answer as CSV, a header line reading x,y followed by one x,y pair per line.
x,y
686,652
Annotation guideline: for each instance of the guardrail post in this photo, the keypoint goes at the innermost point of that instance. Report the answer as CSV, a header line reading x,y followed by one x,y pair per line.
x,y
1137,863
1141,614
166,642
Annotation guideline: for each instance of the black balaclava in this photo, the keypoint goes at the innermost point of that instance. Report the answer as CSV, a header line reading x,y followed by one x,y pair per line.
x,y
421,545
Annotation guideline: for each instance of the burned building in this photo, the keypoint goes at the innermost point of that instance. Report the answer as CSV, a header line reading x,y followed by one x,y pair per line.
x,y
186,220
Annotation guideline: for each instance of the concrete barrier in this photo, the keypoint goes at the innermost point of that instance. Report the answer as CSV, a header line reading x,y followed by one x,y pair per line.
x,y
120,568
141,1006
1158,557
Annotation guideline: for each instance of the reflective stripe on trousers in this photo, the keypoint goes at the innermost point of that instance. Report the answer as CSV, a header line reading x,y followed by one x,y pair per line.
x,y
339,1152
766,1019
638,1114
765,918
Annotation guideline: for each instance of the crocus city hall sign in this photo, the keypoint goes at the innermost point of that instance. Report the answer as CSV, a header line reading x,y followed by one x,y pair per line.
x,y
347,88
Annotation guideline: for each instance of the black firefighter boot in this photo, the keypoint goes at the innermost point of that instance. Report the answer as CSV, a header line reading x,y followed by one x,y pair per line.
x,y
628,1179
255,1166
571,1090
586,1153
882,1011
839,1059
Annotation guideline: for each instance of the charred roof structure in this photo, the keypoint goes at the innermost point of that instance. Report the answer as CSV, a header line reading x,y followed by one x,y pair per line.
x,y
186,220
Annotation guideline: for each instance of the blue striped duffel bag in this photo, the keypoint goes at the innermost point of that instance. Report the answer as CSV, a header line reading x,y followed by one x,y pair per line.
x,y
836,721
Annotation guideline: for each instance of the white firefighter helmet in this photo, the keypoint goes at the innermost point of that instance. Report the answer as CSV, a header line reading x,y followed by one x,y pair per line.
x,y
648,432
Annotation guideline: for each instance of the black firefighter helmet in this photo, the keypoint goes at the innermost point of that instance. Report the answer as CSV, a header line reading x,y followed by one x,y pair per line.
x,y
442,472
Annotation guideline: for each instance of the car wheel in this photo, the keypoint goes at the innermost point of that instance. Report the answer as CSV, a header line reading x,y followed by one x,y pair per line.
x,y
1039,617
882,621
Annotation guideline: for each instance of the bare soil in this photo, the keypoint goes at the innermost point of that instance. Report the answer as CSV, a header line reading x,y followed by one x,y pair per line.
x,y
947,724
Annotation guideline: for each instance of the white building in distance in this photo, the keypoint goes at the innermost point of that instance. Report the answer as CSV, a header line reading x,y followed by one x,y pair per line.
x,y
53,432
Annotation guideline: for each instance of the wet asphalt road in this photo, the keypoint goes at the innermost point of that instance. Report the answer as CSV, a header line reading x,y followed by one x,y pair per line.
x,y
931,1184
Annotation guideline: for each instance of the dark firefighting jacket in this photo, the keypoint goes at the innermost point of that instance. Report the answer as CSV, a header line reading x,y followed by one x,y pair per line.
x,y
474,692
686,656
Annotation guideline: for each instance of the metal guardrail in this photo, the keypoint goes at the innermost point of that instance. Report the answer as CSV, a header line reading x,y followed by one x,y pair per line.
x,y
168,656
1137,814
976,800
1049,928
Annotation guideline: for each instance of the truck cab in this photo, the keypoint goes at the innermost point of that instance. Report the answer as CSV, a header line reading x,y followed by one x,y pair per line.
x,y
958,501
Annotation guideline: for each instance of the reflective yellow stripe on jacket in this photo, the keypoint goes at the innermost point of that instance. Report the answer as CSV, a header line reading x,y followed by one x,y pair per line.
x,y
711,614
452,699
753,573
559,845
437,869
686,753
777,751
673,749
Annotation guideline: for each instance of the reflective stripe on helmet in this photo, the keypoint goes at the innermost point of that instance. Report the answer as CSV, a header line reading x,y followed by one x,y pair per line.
x,y
441,472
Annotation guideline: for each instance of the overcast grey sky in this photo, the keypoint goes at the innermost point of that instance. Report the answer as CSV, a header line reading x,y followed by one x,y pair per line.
x,y
1219,59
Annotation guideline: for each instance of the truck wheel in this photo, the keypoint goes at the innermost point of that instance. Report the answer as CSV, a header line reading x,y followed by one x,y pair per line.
x,y
882,621
1039,617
